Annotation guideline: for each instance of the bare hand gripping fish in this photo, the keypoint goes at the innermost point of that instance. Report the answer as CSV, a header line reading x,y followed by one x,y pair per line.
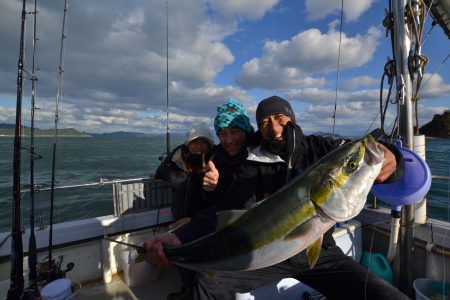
x,y
295,218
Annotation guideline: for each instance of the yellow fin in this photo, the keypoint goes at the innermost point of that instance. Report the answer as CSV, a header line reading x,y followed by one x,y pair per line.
x,y
313,251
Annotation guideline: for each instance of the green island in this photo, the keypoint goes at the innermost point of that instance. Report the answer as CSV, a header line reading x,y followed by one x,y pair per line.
x,y
439,127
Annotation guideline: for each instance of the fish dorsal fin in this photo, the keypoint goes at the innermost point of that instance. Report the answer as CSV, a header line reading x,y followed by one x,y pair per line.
x,y
226,217
313,251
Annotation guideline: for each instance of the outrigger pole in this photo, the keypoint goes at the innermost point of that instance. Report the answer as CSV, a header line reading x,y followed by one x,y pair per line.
x,y
17,282
51,271
32,291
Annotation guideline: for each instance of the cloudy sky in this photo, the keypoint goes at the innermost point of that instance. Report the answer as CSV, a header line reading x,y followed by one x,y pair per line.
x,y
115,62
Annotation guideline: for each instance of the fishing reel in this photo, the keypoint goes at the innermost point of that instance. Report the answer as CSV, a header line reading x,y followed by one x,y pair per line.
x,y
163,157
46,273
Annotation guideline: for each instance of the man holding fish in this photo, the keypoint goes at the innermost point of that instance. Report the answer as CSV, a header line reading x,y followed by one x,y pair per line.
x,y
295,188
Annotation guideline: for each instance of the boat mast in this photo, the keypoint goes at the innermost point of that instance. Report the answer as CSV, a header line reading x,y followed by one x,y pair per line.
x,y
16,276
402,48
51,271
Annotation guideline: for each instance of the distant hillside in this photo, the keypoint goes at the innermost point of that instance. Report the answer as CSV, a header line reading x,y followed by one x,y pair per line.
x,y
7,126
120,134
8,130
327,134
439,127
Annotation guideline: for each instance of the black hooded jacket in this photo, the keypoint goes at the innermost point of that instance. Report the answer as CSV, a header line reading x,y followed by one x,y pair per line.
x,y
227,166
185,188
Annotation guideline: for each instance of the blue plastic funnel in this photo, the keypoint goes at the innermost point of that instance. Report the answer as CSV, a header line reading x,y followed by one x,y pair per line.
x,y
413,186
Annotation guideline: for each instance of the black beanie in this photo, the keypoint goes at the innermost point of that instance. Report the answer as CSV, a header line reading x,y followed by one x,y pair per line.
x,y
272,106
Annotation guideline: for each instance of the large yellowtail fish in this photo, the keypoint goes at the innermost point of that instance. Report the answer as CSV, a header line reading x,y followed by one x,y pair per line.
x,y
296,217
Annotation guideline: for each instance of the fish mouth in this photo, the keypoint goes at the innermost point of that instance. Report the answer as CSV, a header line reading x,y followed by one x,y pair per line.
x,y
373,154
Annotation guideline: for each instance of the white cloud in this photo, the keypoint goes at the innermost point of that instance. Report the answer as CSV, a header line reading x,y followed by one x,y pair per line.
x,y
115,61
251,9
434,86
353,9
360,81
7,115
285,64
327,96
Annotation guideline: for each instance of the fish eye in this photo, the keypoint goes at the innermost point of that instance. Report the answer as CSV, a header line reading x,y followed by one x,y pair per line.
x,y
352,165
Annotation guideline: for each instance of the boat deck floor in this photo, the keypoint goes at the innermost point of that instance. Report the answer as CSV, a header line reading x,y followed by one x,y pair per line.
x,y
167,282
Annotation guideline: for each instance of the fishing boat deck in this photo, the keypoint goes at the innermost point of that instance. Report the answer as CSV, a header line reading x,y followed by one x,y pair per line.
x,y
167,282
347,237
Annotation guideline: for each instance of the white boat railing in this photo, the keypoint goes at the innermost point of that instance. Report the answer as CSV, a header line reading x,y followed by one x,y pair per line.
x,y
128,195
140,195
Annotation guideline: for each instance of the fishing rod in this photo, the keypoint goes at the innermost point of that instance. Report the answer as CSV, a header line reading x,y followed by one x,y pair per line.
x,y
167,79
338,66
51,270
140,249
16,276
32,291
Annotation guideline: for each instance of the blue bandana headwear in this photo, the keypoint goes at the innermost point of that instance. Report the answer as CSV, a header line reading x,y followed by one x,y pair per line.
x,y
232,114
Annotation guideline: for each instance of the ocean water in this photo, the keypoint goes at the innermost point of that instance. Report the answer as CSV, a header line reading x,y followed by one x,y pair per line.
x,y
86,160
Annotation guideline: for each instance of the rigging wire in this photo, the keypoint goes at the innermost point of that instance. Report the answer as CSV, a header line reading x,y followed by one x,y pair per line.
x,y
16,276
432,24
51,271
436,70
338,67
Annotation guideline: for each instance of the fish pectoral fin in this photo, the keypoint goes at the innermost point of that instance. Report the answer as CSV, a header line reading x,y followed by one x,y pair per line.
x,y
226,217
313,251
302,229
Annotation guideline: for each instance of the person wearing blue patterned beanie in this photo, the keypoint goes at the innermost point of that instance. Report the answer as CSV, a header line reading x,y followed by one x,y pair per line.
x,y
232,126
232,114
